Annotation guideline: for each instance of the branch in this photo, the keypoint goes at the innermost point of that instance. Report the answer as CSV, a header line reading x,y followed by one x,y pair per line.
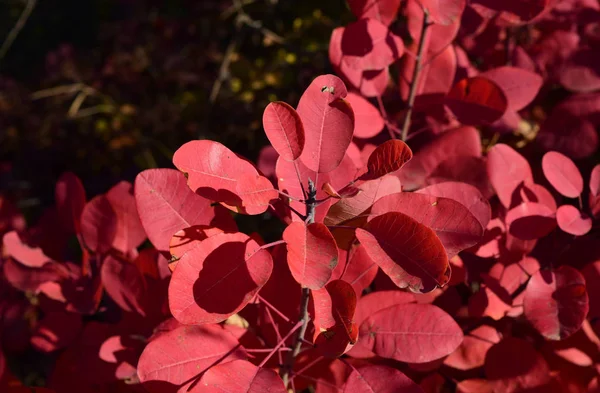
x,y
415,78
12,35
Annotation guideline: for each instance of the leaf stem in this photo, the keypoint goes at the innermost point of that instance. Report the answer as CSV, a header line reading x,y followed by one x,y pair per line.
x,y
415,78
272,307
280,344
273,244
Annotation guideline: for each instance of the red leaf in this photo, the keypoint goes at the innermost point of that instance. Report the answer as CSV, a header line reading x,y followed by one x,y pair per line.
x,y
189,238
461,141
519,86
512,277
373,302
472,351
70,201
218,278
530,221
562,173
452,222
507,169
29,278
368,119
56,330
591,272
387,158
466,195
368,45
572,221
408,252
312,253
476,101
256,193
328,123
580,72
413,333
379,379
130,232
239,376
359,271
509,373
175,357
382,10
124,284
20,251
595,181
212,170
166,205
444,12
284,129
99,224
556,303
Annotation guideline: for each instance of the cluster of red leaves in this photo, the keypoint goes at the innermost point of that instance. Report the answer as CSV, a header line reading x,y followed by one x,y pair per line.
x,y
456,269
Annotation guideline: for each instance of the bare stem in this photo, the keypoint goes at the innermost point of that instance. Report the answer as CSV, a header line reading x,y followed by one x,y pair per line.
x,y
415,78
14,32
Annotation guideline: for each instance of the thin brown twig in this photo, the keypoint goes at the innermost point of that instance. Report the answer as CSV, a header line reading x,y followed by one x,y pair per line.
x,y
14,32
415,78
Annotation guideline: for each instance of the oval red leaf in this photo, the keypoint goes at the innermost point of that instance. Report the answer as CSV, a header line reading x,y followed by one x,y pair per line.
x,y
386,158
563,174
379,379
70,201
312,253
124,283
175,357
218,278
29,256
99,224
519,86
530,221
130,232
507,169
384,11
410,253
256,192
556,302
572,221
239,376
284,129
166,205
368,119
328,123
476,101
413,333
444,12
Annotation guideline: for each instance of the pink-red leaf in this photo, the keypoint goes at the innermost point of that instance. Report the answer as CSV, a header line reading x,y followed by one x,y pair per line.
x,y
256,192
476,101
563,174
312,253
328,123
124,283
175,357
218,278
239,376
284,129
530,221
379,379
556,302
70,201
507,169
413,333
383,10
22,252
99,224
444,12
388,157
166,205
410,253
519,86
130,232
368,119
572,221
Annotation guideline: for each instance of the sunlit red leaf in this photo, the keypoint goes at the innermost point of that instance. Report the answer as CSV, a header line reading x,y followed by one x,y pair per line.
x,y
124,283
175,357
572,221
507,169
410,253
376,301
444,12
472,350
130,232
70,201
387,158
99,224
476,101
556,302
368,119
453,223
189,238
530,221
312,253
379,379
284,130
256,192
20,251
328,123
414,333
359,271
239,376
563,174
166,205
519,86
383,10
218,278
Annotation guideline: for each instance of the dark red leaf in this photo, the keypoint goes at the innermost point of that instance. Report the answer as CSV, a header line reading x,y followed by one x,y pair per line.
x,y
507,169
218,278
530,221
239,376
359,271
379,379
124,283
70,201
387,158
99,224
312,253
383,10
563,174
56,330
580,72
519,86
414,333
29,256
130,232
328,123
572,221
284,130
556,302
476,101
472,351
175,357
27,278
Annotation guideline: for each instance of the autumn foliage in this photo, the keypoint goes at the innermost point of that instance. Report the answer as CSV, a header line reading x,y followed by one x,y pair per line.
x,y
467,262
